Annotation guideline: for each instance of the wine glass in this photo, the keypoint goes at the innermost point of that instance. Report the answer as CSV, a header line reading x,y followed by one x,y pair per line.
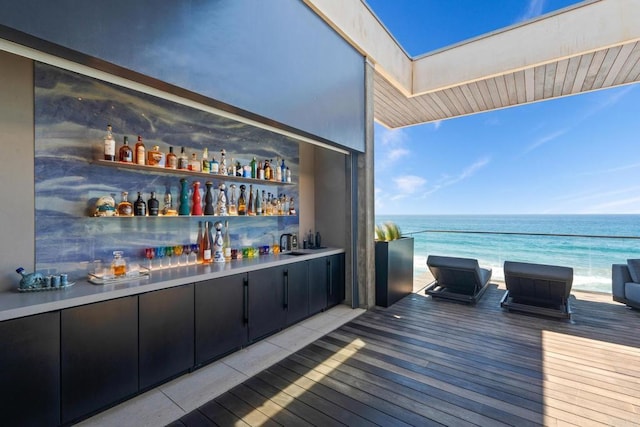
x,y
186,249
148,254
195,248
159,253
168,251
177,251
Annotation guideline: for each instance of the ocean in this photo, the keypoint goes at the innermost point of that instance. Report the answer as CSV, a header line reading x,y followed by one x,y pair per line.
x,y
590,257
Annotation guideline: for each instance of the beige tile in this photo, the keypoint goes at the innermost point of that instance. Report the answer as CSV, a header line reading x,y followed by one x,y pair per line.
x,y
294,338
192,390
342,309
256,358
149,409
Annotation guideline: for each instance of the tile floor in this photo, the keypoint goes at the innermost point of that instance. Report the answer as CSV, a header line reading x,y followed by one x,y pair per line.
x,y
176,398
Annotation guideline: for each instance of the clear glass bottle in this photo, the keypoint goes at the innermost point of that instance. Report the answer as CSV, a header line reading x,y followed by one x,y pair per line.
x,y
242,201
227,242
139,206
199,242
260,171
194,163
233,207
118,265
109,145
168,202
155,157
258,202
125,154
292,207
250,206
153,204
278,173
206,247
140,152
125,208
218,243
222,169
205,160
183,160
172,159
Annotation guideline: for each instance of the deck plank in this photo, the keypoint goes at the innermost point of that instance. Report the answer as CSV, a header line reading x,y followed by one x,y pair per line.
x,y
429,362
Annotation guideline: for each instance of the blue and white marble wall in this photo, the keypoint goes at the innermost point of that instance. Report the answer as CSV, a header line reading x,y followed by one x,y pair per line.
x,y
71,115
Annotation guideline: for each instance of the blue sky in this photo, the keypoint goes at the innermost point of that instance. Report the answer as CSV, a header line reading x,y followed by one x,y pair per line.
x,y
574,155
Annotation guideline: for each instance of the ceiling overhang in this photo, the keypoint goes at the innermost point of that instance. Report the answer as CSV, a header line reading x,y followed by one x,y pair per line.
x,y
590,46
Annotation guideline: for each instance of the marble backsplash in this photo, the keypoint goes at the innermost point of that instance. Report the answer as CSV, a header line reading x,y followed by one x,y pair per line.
x,y
71,115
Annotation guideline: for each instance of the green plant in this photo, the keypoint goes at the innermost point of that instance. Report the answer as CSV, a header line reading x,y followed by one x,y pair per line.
x,y
387,231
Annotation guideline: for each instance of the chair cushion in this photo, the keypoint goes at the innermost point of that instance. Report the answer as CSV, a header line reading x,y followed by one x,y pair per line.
x,y
632,292
634,269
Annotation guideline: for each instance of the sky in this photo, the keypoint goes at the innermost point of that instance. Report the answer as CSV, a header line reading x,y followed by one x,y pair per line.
x,y
573,155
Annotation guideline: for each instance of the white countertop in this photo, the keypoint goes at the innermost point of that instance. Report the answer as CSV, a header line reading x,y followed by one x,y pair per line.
x,y
14,304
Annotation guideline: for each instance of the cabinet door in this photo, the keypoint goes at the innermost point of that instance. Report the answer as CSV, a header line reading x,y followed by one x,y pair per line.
x,y
297,291
30,370
99,355
266,302
221,316
336,280
318,282
166,334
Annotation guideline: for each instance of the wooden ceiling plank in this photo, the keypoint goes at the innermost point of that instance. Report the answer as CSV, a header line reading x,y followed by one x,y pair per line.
x,y
581,75
493,93
462,99
435,96
451,101
427,106
510,81
594,67
470,97
629,63
617,65
501,84
570,75
561,72
477,96
521,89
530,84
549,79
605,68
539,73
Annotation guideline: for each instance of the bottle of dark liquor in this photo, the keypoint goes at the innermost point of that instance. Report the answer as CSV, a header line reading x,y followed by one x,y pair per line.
x,y
172,160
109,145
153,204
267,170
250,207
126,153
139,206
242,201
258,202
140,154
124,207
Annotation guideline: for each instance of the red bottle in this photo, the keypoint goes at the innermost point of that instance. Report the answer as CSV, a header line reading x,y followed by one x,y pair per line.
x,y
196,206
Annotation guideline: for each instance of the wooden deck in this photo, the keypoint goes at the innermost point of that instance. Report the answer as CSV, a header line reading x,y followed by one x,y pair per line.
x,y
423,362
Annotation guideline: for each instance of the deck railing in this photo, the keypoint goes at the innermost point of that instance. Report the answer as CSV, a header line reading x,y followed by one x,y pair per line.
x,y
591,256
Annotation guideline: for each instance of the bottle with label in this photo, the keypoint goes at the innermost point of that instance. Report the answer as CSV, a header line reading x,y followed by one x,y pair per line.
x,y
172,159
288,174
125,154
242,201
153,204
109,145
258,203
283,168
221,206
205,160
292,207
218,243
250,206
267,170
139,206
205,247
254,168
227,242
260,171
155,157
168,202
194,163
139,153
183,160
199,242
222,170
125,208
233,207
214,166
278,174
118,265
196,205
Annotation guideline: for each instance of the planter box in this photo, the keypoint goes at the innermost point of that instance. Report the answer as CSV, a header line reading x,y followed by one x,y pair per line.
x,y
394,270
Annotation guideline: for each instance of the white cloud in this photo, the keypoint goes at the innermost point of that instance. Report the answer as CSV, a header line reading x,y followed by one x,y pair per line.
x,y
468,172
397,153
611,170
409,184
534,9
437,124
547,138
390,136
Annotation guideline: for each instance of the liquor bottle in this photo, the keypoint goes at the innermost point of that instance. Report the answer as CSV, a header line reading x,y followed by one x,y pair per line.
x,y
278,174
118,264
139,206
183,161
288,174
222,170
196,206
199,242
155,157
267,170
154,204
208,199
184,197
109,145
205,247
283,168
140,158
221,206
242,201
292,207
274,166
172,159
214,166
125,154
218,243
250,206
260,171
194,163
227,242
254,168
205,160
124,207
168,202
233,208
258,203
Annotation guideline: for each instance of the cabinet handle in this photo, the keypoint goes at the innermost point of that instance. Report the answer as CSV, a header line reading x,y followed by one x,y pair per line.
x,y
245,307
286,289
329,278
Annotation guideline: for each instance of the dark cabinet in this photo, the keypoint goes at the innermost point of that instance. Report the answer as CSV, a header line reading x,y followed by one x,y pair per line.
x,y
99,356
336,279
30,370
267,305
220,316
318,282
296,292
166,334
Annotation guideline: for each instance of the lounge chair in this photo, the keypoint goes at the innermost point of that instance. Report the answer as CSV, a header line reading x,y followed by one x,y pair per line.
x,y
538,289
625,283
458,279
